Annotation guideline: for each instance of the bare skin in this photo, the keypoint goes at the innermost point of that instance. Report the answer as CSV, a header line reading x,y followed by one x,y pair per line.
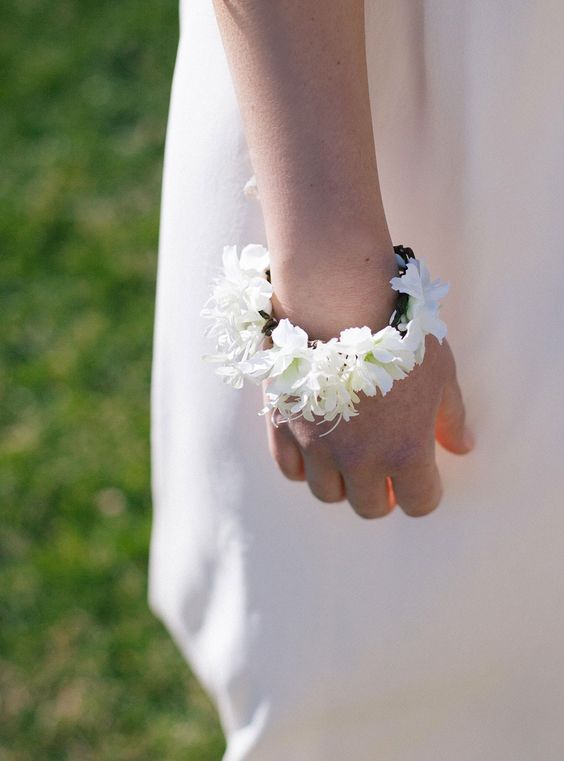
x,y
299,69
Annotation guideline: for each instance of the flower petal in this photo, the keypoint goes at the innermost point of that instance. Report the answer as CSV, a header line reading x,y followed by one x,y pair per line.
x,y
289,336
255,257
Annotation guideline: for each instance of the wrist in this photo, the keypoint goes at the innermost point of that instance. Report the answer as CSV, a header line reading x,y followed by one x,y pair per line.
x,y
312,377
341,286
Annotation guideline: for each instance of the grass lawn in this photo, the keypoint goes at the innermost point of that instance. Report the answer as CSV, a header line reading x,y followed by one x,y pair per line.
x,y
86,672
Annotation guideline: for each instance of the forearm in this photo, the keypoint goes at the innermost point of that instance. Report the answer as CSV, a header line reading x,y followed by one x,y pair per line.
x,y
299,69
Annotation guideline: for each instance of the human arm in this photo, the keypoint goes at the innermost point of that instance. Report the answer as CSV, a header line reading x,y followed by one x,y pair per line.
x,y
299,69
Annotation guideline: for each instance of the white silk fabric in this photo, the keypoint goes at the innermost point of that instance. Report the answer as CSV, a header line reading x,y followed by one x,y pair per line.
x,y
321,636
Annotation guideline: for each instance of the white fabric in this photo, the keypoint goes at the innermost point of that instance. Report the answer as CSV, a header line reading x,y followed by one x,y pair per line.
x,y
322,636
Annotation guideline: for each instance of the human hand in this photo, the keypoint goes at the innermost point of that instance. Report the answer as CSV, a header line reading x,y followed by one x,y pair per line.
x,y
385,455
308,124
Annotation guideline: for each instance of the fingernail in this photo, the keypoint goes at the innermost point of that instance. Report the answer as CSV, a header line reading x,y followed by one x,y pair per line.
x,y
468,439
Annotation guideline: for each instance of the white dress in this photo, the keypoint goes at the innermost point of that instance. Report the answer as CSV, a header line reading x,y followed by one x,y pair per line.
x,y
319,635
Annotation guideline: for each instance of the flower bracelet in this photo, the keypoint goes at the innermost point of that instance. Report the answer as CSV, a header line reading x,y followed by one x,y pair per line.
x,y
312,378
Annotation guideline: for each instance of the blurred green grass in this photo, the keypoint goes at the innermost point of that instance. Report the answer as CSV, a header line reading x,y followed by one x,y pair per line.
x,y
86,672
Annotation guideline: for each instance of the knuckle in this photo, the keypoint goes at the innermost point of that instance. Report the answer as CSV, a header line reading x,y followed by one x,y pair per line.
x,y
420,511
406,453
352,456
306,441
324,494
423,507
290,470
370,512
288,463
292,474
305,435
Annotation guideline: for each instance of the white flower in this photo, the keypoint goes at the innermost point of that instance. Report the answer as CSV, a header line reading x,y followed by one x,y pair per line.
x,y
257,366
232,374
287,360
290,345
389,343
414,339
313,387
250,188
356,340
245,283
424,297
374,361
234,308
322,390
255,257
289,337
323,378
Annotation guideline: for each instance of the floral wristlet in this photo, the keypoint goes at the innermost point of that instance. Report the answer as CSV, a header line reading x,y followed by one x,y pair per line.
x,y
313,378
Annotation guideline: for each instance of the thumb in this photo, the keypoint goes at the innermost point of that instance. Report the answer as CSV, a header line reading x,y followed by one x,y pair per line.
x,y
451,430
